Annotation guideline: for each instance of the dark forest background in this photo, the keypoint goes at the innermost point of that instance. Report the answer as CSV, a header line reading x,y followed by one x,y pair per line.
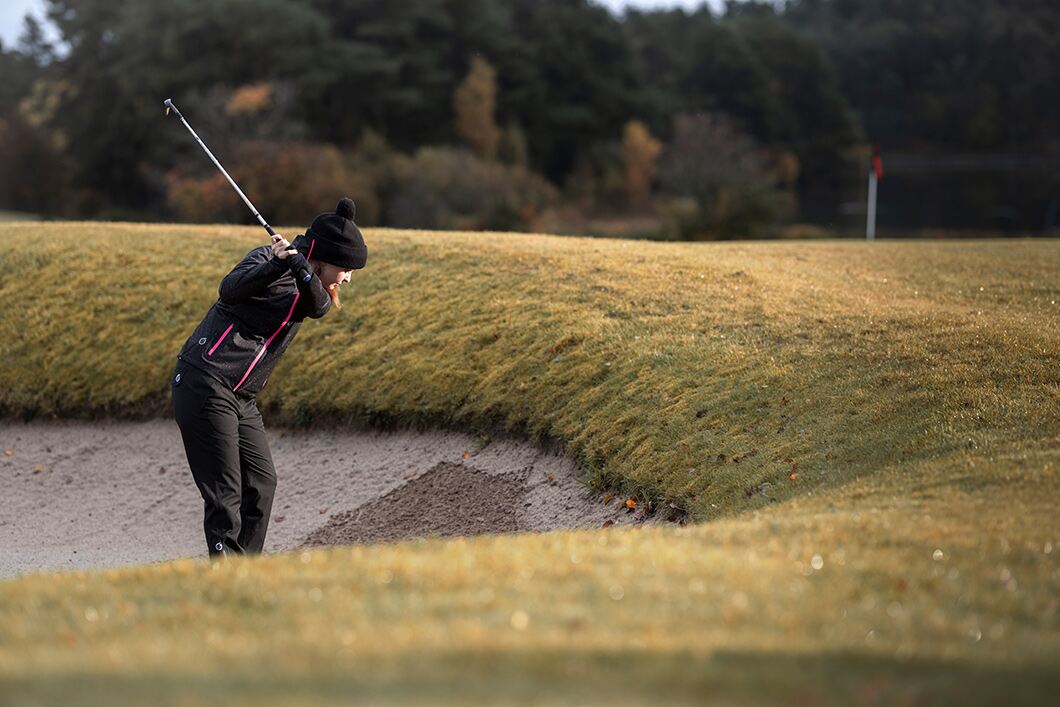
x,y
550,115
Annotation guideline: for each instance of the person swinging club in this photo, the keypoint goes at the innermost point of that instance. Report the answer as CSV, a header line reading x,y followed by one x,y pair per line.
x,y
226,362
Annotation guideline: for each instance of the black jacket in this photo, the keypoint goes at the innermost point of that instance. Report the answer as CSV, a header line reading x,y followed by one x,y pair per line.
x,y
260,307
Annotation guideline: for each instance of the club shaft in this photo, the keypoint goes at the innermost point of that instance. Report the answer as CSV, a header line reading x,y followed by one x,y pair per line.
x,y
231,181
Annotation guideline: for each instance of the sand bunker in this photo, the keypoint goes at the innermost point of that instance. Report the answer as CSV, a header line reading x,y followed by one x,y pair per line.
x,y
103,494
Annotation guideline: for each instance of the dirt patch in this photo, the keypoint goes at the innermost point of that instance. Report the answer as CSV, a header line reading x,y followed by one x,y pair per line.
x,y
450,499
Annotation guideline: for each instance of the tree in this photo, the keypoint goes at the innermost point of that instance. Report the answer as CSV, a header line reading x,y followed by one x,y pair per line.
x,y
726,172
580,87
512,147
34,173
473,106
19,73
947,74
125,58
32,43
443,187
812,118
759,69
387,66
639,152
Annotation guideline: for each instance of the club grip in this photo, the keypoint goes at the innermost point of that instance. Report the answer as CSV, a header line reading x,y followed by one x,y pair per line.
x,y
299,267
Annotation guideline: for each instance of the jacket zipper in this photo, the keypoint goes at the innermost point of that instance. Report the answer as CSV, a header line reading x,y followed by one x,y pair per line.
x,y
264,346
214,347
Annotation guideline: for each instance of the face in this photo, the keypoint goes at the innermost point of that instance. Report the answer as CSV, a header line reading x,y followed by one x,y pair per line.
x,y
332,276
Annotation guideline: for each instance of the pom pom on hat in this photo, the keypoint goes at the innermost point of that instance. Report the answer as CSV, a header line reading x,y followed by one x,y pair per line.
x,y
346,208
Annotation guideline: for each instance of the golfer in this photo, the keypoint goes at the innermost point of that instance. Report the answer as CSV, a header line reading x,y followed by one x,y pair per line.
x,y
226,362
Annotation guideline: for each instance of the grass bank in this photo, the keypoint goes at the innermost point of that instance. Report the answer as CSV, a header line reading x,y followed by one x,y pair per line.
x,y
677,374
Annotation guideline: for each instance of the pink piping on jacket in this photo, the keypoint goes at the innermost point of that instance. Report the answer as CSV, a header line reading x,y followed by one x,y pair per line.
x,y
214,347
269,341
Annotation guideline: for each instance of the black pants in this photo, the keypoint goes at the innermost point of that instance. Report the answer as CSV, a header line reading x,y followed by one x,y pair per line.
x,y
224,438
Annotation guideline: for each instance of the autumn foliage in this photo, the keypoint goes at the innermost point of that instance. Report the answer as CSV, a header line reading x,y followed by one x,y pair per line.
x,y
473,106
296,180
639,153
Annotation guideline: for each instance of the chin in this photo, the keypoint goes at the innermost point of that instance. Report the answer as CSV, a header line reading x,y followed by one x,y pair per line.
x,y
333,292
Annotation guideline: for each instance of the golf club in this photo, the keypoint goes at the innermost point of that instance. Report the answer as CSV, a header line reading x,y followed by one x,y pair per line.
x,y
300,264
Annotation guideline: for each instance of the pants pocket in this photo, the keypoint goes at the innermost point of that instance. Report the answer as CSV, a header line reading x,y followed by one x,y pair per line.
x,y
188,392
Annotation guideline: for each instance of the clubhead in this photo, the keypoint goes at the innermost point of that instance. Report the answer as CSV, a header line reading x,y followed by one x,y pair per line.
x,y
168,104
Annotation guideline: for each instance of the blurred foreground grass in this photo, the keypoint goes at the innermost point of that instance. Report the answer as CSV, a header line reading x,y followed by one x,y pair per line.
x,y
875,425
903,599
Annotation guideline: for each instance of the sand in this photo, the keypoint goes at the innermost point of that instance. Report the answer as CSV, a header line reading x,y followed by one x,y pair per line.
x,y
85,495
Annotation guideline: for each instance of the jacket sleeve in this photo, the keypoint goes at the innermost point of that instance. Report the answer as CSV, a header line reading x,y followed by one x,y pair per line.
x,y
253,274
317,299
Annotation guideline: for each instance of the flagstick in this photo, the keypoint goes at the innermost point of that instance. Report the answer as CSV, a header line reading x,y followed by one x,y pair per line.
x,y
870,225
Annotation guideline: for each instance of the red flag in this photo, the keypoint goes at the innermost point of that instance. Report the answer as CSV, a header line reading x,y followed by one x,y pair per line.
x,y
877,162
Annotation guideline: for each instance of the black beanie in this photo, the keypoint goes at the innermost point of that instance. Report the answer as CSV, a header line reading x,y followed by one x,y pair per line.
x,y
334,238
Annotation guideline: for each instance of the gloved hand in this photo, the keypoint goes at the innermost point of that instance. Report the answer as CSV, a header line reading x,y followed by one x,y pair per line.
x,y
295,261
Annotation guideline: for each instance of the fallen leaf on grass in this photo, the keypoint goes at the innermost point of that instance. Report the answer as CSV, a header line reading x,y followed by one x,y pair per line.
x,y
631,503
8,452
607,523
466,454
793,475
38,469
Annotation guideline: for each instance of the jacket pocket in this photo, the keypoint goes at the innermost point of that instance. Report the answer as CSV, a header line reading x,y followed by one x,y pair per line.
x,y
234,353
224,334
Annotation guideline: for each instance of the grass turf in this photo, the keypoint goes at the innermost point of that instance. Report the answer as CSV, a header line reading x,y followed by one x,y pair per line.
x,y
875,426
